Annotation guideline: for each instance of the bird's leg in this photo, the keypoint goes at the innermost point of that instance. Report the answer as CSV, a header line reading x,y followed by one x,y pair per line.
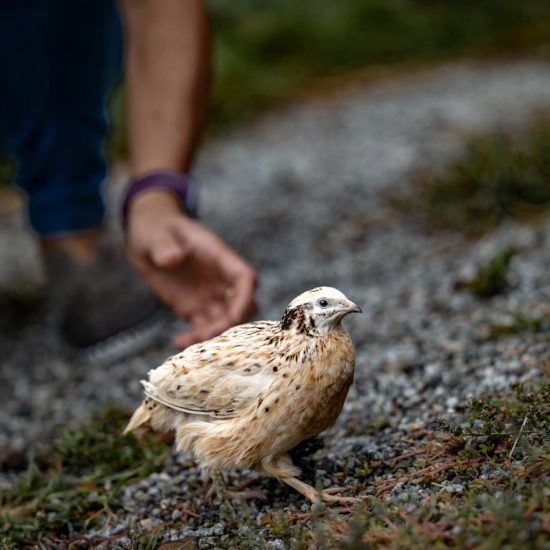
x,y
307,490
285,471
219,486
236,491
314,496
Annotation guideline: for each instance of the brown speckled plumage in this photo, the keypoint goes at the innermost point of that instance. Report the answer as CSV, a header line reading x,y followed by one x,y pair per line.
x,y
248,396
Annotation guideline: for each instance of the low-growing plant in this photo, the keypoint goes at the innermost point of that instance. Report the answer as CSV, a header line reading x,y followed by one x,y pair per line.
x,y
491,278
497,457
499,177
79,485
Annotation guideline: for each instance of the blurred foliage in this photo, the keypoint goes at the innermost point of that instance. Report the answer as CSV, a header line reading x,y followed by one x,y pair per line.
x,y
267,51
501,176
523,323
491,278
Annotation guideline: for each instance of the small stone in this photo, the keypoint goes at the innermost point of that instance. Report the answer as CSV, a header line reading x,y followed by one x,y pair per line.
x,y
451,403
147,523
317,508
153,491
404,497
398,488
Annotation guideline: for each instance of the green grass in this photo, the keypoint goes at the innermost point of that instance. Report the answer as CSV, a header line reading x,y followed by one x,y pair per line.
x,y
275,47
267,50
500,177
76,487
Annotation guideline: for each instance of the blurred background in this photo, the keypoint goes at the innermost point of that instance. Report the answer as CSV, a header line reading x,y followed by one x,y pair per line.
x,y
268,52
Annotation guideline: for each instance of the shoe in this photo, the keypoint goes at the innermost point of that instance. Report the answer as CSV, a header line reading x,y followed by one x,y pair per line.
x,y
101,308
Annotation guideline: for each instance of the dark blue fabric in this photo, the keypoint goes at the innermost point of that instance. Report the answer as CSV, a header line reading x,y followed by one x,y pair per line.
x,y
58,61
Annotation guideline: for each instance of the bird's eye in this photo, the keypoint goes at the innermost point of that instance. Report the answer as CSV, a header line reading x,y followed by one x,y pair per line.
x,y
322,302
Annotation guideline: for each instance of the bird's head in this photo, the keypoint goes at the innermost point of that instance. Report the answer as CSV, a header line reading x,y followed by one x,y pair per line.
x,y
318,310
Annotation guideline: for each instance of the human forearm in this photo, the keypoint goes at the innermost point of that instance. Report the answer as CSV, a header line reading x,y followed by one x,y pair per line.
x,y
168,68
188,266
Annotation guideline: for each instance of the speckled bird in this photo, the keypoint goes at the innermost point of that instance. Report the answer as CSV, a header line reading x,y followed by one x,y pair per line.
x,y
248,396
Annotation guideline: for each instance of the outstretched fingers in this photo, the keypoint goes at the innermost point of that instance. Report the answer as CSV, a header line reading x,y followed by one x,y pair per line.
x,y
239,299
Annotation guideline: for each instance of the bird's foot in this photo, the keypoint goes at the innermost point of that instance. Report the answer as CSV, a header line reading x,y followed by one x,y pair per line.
x,y
237,491
218,487
318,498
226,495
331,496
328,497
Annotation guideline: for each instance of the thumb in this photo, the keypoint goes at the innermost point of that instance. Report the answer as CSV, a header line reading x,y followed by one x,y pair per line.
x,y
165,251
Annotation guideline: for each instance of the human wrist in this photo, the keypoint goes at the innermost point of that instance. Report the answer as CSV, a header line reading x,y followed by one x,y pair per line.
x,y
158,189
153,202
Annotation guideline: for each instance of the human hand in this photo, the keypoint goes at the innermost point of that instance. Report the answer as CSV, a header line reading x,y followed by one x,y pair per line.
x,y
188,267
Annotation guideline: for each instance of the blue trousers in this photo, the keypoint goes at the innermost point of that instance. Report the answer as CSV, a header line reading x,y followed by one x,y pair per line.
x,y
59,59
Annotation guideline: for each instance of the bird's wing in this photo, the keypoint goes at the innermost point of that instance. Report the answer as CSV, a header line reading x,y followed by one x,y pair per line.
x,y
220,377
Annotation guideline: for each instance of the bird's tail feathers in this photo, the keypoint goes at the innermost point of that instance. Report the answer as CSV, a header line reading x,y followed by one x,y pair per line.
x,y
141,416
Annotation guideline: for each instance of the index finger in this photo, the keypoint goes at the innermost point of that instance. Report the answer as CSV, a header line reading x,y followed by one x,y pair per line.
x,y
241,304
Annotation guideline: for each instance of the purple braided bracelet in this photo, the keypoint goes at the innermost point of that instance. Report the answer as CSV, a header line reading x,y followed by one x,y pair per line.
x,y
178,184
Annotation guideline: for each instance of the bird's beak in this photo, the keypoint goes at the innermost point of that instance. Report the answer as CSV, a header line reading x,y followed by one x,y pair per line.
x,y
352,307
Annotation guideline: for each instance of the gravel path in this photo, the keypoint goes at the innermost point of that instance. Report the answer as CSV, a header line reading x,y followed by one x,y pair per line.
x,y
298,194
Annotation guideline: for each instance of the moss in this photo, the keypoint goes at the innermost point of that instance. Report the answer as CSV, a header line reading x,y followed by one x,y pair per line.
x,y
498,453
